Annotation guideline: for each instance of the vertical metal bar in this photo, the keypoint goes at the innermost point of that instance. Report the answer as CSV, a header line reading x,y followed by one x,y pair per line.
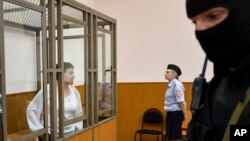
x,y
3,118
112,72
115,65
3,125
1,115
52,75
90,70
92,81
85,50
38,61
84,16
44,67
114,68
60,65
103,56
95,66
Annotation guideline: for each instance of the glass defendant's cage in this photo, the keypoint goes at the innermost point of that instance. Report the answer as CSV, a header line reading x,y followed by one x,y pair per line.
x,y
36,37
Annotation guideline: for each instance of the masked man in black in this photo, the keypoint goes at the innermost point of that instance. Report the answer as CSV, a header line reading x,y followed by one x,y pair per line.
x,y
222,28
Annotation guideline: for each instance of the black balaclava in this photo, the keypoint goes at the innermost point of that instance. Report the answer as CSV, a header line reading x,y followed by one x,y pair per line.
x,y
227,43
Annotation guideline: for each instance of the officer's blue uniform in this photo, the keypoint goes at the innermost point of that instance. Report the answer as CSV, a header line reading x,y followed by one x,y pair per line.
x,y
173,96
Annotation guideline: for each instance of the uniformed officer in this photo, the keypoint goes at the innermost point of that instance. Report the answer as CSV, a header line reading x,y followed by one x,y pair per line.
x,y
223,29
174,104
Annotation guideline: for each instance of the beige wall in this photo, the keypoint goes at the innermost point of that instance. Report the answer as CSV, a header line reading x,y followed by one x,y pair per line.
x,y
150,35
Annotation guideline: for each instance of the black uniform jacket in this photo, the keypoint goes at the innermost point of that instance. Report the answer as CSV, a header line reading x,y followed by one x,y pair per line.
x,y
224,92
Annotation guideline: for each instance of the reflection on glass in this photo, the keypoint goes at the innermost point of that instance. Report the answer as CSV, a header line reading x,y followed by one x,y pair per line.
x,y
22,67
105,92
74,52
104,95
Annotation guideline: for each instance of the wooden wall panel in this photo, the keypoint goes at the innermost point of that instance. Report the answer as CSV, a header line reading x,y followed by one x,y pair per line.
x,y
134,99
86,136
81,89
106,131
16,111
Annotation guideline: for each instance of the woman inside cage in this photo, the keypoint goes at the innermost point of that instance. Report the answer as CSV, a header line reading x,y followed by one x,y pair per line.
x,y
72,104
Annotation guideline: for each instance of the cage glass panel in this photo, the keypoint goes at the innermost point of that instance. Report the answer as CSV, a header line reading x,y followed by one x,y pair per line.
x,y
74,52
23,70
105,84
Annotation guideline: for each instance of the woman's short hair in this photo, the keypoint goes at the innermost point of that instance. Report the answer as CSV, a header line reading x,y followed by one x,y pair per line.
x,y
175,74
67,65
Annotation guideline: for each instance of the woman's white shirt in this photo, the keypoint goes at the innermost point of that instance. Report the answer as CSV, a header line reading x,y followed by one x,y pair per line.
x,y
72,109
